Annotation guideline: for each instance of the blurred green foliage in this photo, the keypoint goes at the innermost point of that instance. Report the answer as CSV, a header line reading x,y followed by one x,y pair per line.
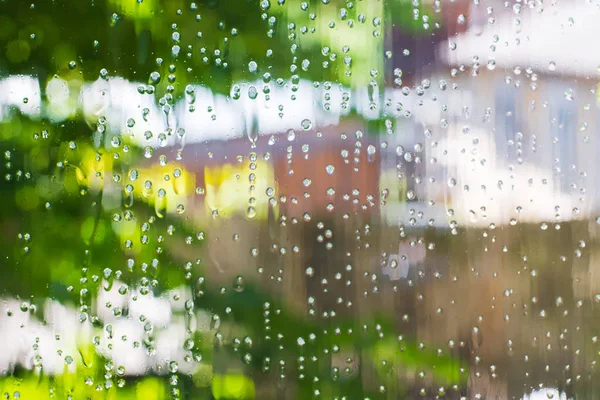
x,y
58,237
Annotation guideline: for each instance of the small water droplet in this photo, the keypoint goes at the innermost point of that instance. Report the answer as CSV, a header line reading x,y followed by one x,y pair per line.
x,y
148,151
252,92
306,124
252,66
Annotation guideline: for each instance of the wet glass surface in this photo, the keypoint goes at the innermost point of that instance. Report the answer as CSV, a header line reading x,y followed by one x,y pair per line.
x,y
299,199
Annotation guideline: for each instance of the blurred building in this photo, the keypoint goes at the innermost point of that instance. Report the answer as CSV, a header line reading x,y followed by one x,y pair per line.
x,y
505,130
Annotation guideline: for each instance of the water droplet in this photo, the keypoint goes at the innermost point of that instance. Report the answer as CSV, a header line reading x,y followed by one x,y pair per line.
x,y
252,92
252,66
148,151
265,5
154,78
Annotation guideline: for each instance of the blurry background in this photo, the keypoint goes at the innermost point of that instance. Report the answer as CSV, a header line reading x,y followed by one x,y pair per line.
x,y
280,199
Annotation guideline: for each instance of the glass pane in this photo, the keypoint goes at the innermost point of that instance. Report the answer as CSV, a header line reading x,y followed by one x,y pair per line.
x,y
271,199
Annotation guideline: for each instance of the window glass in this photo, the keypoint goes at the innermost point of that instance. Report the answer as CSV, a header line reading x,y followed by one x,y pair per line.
x,y
281,199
